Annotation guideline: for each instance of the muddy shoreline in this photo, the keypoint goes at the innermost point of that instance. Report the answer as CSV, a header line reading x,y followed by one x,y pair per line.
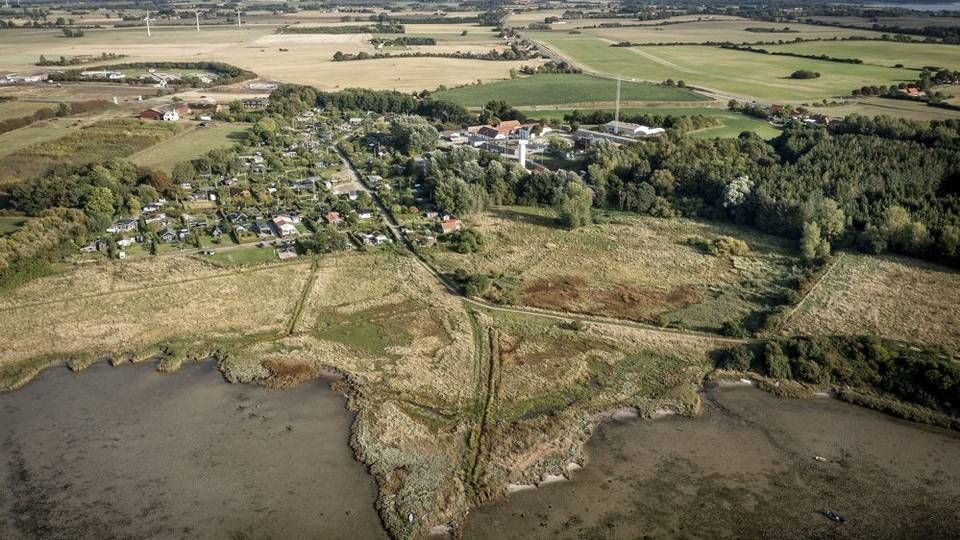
x,y
126,451
747,467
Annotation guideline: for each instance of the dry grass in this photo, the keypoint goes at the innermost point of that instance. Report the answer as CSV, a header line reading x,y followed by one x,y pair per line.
x,y
307,60
892,297
632,267
110,309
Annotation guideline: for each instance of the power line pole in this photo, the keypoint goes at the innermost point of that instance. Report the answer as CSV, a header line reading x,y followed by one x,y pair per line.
x,y
616,115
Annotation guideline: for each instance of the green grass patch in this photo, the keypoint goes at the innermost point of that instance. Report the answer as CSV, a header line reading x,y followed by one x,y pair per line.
x,y
242,257
18,109
9,224
559,89
740,73
373,330
733,123
98,142
881,53
189,145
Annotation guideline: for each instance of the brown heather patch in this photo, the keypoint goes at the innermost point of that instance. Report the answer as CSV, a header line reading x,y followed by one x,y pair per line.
x,y
571,293
285,374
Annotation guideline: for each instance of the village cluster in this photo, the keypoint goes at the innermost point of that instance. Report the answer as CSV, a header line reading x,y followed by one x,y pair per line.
x,y
275,193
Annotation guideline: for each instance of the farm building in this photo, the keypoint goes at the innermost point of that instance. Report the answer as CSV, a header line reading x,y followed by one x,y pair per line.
x,y
167,113
632,130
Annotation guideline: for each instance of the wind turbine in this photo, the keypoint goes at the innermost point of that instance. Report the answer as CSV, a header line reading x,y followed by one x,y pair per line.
x,y
147,19
238,17
197,13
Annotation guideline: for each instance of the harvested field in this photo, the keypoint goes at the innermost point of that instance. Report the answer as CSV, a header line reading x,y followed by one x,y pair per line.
x,y
891,297
644,269
307,59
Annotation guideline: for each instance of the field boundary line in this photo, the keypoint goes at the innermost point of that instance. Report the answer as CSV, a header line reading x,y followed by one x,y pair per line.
x,y
256,269
302,300
793,311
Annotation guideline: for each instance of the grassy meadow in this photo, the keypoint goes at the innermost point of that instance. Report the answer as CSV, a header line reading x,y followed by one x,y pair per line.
x,y
99,141
734,31
744,74
631,267
19,109
189,144
733,123
881,53
897,108
892,297
565,89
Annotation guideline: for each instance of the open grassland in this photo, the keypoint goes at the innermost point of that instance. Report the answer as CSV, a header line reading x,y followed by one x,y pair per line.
x,y
190,144
451,404
733,123
734,31
13,141
905,21
549,384
127,309
560,89
897,108
307,58
891,297
100,141
522,19
744,74
881,53
9,224
644,269
19,109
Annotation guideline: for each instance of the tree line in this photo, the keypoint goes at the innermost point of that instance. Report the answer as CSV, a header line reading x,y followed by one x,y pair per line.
x,y
871,184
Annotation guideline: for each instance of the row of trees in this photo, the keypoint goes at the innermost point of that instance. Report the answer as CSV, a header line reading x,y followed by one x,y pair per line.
x,y
915,376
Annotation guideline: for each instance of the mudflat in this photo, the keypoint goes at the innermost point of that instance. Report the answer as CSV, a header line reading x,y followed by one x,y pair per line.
x,y
747,468
129,452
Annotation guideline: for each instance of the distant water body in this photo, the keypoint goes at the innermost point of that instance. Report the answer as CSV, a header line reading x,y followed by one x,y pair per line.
x,y
127,452
954,6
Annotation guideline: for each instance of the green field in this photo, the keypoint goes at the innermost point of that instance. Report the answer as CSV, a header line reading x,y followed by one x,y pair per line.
x,y
96,142
733,123
244,256
745,74
560,89
9,224
734,31
897,108
13,141
18,109
883,53
189,145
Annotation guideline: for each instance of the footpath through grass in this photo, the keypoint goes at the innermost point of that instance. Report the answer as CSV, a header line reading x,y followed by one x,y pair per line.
x,y
561,89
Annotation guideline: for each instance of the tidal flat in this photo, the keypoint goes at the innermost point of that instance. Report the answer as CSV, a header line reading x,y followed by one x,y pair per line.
x,y
747,468
128,452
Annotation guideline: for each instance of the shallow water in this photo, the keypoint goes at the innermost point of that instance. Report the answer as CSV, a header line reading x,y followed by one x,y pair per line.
x,y
746,469
129,452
